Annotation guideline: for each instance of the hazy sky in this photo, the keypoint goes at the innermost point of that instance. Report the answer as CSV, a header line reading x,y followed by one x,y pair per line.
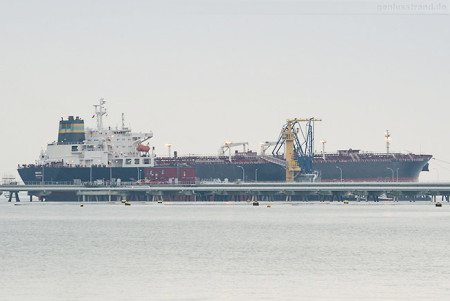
x,y
198,73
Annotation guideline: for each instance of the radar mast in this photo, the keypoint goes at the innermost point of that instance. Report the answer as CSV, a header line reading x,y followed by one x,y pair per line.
x,y
100,110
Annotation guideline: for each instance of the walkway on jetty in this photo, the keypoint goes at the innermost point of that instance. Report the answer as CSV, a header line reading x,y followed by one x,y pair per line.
x,y
234,191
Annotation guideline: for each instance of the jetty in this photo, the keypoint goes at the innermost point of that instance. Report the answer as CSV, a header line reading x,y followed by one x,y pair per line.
x,y
330,191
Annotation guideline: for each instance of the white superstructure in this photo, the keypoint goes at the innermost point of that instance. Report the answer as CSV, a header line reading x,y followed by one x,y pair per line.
x,y
116,147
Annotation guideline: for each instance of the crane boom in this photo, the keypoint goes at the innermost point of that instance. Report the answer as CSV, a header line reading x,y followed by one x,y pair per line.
x,y
265,145
228,145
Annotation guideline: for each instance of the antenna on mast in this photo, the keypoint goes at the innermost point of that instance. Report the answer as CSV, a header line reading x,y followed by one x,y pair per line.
x,y
100,110
388,140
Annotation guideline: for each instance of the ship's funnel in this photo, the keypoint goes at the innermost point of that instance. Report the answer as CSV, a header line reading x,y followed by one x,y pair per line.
x,y
71,131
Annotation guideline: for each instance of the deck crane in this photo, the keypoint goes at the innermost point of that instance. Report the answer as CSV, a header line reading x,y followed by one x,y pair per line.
x,y
299,153
265,145
228,145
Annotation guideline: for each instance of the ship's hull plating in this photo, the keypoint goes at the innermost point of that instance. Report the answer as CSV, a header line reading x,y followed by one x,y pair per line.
x,y
327,171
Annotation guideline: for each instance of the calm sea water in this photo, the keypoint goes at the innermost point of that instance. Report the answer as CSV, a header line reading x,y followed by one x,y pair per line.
x,y
224,251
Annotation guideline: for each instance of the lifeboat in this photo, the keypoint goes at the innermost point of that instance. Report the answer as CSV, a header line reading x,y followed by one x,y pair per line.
x,y
143,148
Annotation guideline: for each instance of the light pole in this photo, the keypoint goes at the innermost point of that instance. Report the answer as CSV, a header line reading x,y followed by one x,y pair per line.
x,y
323,148
256,175
169,145
392,173
340,170
243,173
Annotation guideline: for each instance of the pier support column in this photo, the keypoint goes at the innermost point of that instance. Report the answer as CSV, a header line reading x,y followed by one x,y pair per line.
x,y
16,196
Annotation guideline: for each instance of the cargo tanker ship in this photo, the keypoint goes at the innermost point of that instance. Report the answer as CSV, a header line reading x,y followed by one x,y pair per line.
x,y
118,155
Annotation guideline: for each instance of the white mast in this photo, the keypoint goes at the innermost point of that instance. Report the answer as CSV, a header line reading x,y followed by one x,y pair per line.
x,y
388,140
123,123
100,111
